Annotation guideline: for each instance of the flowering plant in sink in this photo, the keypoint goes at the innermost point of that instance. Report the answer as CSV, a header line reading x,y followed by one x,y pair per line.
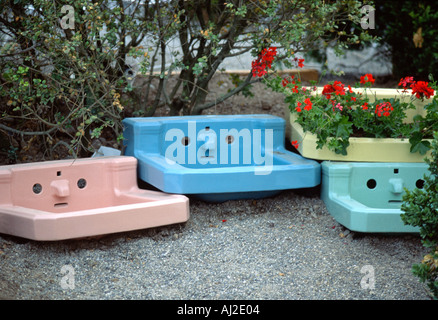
x,y
336,112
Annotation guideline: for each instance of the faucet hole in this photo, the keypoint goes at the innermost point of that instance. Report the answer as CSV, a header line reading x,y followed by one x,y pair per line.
x,y
185,141
82,183
395,171
419,184
371,184
37,188
207,128
58,173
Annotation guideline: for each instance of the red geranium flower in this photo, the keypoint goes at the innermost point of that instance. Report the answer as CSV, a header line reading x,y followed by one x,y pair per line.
x,y
300,62
265,59
368,78
268,56
308,104
289,79
337,87
327,90
257,69
384,108
421,89
284,82
406,81
295,144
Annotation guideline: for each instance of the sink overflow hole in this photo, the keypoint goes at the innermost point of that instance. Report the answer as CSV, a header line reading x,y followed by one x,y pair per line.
x,y
60,205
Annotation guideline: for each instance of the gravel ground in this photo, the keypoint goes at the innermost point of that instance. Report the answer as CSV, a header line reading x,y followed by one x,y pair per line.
x,y
285,247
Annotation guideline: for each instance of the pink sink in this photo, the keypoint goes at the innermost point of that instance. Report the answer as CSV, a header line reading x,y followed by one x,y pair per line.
x,y
65,199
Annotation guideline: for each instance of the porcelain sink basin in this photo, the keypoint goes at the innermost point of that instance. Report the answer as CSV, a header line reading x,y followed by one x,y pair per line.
x,y
367,196
217,158
65,199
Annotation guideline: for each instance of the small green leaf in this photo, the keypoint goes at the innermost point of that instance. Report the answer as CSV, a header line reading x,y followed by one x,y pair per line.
x,y
421,146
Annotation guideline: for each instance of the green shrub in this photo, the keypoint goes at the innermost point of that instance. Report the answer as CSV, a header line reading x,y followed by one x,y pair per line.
x,y
397,23
61,88
420,207
64,87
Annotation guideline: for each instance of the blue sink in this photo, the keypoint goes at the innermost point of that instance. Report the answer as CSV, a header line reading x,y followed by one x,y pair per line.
x,y
217,158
